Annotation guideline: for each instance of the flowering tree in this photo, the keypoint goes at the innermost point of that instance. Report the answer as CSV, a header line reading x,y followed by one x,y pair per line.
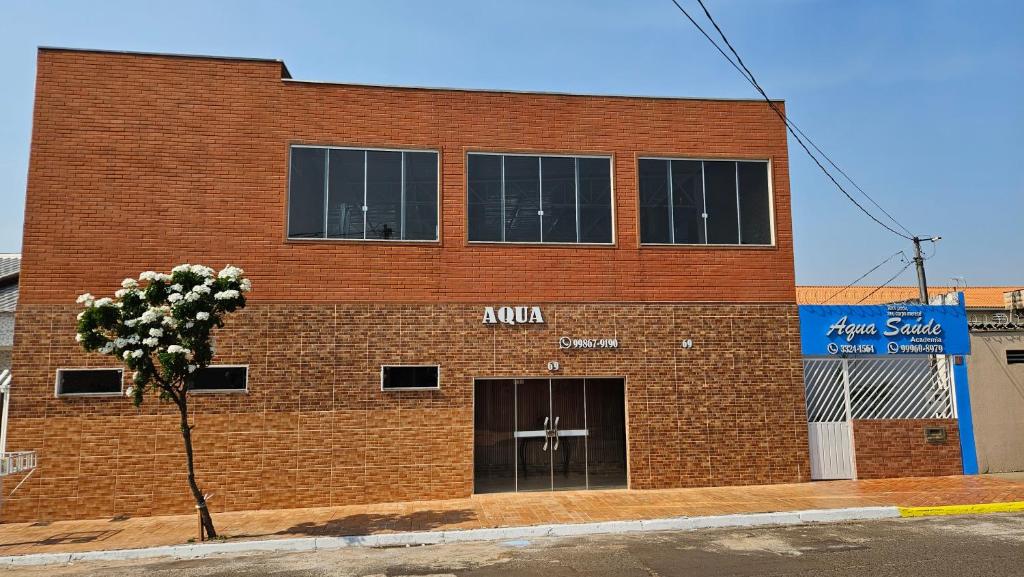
x,y
160,326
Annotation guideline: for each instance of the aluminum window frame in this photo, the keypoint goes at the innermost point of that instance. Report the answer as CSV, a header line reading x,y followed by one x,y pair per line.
x,y
59,395
739,233
416,365
540,155
242,391
327,170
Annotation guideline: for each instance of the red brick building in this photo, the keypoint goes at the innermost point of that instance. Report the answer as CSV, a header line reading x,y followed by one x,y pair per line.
x,y
454,291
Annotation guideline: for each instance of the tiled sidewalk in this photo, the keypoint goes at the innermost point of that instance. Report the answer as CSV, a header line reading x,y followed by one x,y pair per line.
x,y
506,510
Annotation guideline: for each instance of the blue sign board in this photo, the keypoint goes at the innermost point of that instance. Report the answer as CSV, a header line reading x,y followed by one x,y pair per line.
x,y
881,330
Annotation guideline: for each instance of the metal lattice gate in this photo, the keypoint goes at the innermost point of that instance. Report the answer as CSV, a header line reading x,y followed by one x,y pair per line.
x,y
839,390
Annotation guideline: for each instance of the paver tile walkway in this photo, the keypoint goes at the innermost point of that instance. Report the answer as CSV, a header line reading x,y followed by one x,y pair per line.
x,y
506,510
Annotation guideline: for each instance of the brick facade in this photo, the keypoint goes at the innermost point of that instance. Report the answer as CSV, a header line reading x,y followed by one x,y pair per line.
x,y
186,160
315,428
895,448
138,146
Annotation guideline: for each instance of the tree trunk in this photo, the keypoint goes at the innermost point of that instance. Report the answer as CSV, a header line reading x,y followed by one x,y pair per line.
x,y
186,436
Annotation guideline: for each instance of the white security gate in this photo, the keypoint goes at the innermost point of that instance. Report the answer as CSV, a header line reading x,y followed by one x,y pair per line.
x,y
826,388
839,390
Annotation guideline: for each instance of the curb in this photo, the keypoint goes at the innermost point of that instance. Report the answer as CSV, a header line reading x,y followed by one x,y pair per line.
x,y
201,550
1010,507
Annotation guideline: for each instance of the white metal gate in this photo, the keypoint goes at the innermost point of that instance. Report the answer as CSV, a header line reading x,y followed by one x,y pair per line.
x,y
839,390
826,387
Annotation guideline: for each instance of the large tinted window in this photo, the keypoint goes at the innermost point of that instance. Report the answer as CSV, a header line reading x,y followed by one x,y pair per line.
x,y
89,382
704,202
556,199
306,190
484,203
341,193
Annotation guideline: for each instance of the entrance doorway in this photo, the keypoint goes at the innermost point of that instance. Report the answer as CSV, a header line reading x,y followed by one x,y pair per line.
x,y
549,434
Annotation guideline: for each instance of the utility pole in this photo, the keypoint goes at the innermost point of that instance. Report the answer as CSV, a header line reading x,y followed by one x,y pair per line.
x,y
922,282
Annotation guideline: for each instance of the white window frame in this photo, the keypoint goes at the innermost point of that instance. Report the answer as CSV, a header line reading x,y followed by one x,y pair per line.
x,y
389,389
327,194
739,231
541,155
242,391
60,395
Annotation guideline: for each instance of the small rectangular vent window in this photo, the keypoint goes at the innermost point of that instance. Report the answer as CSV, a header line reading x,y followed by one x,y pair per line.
x,y
220,379
408,377
1015,357
72,382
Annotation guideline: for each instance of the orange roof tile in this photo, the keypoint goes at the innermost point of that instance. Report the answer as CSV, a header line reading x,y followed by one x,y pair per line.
x,y
977,297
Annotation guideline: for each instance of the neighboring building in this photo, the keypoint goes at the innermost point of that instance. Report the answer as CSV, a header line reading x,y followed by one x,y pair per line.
x,y
455,291
10,264
995,368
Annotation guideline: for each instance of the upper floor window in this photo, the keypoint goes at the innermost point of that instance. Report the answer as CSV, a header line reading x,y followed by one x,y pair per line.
x,y
704,202
356,194
550,199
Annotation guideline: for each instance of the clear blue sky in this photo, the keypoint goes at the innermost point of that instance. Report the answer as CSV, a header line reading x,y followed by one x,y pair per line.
x,y
922,102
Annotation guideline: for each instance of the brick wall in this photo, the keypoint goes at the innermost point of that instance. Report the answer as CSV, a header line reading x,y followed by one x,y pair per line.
x,y
315,428
186,160
897,448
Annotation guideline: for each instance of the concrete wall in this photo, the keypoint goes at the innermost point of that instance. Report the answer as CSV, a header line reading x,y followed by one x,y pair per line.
x,y
997,401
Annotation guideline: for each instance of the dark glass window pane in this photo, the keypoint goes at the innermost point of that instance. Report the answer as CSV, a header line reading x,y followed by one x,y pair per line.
x,y
383,195
306,193
89,382
522,199
654,212
558,192
755,207
595,195
687,202
219,379
720,200
345,194
484,197
410,377
420,196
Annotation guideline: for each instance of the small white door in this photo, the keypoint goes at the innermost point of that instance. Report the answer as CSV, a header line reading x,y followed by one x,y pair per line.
x,y
831,457
826,390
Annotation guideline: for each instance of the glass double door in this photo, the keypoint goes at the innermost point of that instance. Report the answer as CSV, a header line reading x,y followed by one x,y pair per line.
x,y
549,434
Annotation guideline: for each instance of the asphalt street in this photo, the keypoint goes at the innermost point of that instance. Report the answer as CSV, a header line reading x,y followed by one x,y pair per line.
x,y
986,545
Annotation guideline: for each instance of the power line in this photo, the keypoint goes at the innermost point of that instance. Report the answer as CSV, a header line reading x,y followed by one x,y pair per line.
x,y
793,130
861,277
886,283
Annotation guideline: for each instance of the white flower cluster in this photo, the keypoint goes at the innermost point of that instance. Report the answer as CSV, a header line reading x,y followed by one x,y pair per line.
x,y
174,297
154,276
178,350
129,283
86,299
198,269
151,341
202,316
103,302
137,353
230,272
226,295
